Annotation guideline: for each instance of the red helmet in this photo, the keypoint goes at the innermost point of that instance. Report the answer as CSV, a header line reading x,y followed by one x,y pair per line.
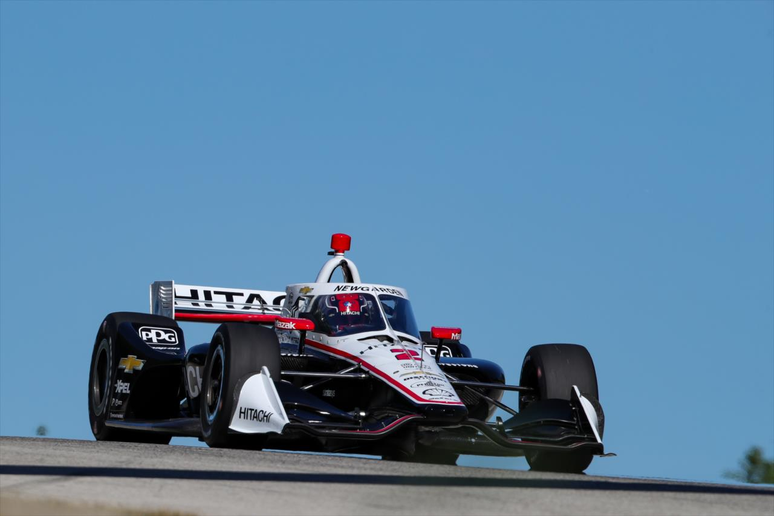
x,y
341,310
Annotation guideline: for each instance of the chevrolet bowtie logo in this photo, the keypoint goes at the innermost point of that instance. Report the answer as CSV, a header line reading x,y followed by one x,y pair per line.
x,y
305,290
130,363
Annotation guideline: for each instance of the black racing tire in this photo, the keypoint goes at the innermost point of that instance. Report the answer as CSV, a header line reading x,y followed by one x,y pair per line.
x,y
426,455
236,351
551,370
102,378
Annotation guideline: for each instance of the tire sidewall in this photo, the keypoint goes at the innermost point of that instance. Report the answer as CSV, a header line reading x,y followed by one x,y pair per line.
x,y
552,370
245,350
212,429
98,413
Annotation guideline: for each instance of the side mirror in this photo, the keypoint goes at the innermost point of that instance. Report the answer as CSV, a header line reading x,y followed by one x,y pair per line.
x,y
302,325
446,333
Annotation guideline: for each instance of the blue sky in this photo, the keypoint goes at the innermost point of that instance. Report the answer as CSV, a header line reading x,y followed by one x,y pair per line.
x,y
590,172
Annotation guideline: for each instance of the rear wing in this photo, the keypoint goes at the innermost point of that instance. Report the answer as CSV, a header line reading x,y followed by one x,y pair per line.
x,y
214,304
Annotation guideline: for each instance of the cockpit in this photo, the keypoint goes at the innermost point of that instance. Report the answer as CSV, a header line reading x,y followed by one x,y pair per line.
x,y
342,314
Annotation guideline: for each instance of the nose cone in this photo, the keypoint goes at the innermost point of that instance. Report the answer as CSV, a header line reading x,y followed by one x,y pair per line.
x,y
444,413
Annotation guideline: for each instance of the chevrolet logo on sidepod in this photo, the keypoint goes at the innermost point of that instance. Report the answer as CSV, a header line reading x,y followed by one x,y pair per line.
x,y
305,290
130,363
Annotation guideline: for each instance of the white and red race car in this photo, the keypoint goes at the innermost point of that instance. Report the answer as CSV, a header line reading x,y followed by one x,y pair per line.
x,y
333,367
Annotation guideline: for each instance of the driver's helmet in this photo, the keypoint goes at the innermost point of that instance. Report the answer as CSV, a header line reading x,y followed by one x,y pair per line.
x,y
345,310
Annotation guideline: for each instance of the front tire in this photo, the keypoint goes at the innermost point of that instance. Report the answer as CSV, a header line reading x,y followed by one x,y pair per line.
x,y
102,381
551,370
236,351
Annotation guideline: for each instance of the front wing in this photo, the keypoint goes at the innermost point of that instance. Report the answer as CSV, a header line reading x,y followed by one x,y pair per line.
x,y
550,425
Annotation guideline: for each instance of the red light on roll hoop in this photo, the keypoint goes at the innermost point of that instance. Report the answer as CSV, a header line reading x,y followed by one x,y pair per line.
x,y
340,243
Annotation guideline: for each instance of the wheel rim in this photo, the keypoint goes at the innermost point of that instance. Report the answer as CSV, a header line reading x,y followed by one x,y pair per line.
x,y
215,384
100,378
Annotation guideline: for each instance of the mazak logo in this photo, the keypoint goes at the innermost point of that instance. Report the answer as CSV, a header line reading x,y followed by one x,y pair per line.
x,y
251,414
163,336
283,325
122,387
406,354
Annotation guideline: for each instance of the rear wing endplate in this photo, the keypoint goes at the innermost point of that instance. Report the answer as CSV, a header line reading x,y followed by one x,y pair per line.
x,y
195,302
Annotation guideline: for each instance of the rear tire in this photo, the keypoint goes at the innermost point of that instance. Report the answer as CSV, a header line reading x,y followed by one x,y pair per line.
x,y
102,380
236,351
551,370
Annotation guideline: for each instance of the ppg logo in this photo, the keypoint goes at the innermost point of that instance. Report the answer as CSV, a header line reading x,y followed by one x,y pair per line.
x,y
163,336
445,351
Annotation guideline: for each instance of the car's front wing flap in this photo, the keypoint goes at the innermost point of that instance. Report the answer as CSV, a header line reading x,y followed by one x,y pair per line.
x,y
555,425
259,409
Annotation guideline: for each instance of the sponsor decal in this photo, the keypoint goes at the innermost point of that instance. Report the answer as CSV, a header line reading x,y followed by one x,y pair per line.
x,y
163,336
406,354
428,383
251,414
233,299
122,387
459,365
456,336
367,288
438,393
117,415
130,363
116,403
194,374
410,365
419,375
418,379
306,290
282,323
348,304
351,308
445,351
329,393
285,325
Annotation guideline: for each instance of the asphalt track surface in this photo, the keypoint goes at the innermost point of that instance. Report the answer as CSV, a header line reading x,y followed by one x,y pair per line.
x,y
183,479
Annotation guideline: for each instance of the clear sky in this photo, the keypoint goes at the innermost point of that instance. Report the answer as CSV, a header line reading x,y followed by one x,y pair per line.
x,y
590,172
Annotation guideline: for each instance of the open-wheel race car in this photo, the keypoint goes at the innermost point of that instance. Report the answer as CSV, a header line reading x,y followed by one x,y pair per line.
x,y
333,367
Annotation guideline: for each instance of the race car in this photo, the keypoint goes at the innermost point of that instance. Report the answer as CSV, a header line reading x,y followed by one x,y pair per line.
x,y
337,367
